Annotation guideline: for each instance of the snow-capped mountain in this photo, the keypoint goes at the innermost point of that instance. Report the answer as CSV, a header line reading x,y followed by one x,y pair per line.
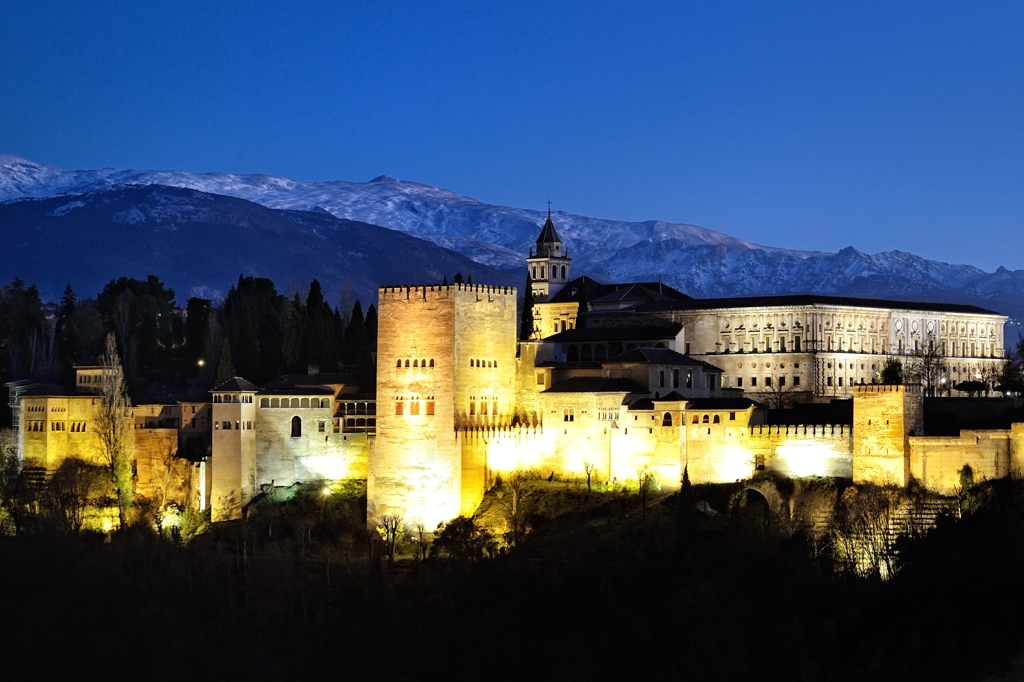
x,y
699,261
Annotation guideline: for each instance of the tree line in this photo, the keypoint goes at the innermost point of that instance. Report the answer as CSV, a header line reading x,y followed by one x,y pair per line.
x,y
254,332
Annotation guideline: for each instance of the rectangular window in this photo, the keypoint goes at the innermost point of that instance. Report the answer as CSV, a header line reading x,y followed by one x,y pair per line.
x,y
689,378
739,382
226,425
687,347
430,408
675,378
494,408
732,416
321,427
753,382
337,426
472,409
399,408
782,382
414,408
768,381
840,381
540,378
782,345
661,379
796,381
569,414
828,381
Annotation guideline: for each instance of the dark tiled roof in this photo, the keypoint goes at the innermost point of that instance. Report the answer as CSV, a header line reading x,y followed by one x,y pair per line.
x,y
596,385
639,333
319,379
809,300
660,356
721,404
548,233
235,384
598,292
569,365
298,390
642,404
672,397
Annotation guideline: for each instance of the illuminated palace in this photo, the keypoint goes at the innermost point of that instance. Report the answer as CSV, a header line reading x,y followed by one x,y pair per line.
x,y
655,381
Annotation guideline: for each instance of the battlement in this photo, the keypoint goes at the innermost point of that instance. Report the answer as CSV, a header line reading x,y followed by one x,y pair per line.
x,y
909,389
841,430
440,291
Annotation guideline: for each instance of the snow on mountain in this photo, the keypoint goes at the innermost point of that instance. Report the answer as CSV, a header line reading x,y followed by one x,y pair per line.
x,y
699,261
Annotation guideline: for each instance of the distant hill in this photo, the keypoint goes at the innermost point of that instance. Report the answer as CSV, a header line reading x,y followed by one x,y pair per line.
x,y
198,244
699,261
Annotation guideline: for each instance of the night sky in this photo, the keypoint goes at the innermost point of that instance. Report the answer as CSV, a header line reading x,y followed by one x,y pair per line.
x,y
804,125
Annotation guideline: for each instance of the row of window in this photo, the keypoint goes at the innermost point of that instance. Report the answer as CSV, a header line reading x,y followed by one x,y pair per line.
x,y
675,378
415,362
769,382
295,402
239,425
231,398
483,404
543,272
476,362
40,425
412,407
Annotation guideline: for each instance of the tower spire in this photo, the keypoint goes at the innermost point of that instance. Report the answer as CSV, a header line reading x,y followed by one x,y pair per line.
x,y
549,208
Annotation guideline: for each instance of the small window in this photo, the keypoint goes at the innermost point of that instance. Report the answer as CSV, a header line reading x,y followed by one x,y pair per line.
x,y
227,426
415,363
472,409
321,427
705,419
696,419
540,378
716,420
753,382
667,419
414,408
430,408
569,414
828,381
739,382
782,382
296,427
399,409
796,381
732,416
431,362
661,379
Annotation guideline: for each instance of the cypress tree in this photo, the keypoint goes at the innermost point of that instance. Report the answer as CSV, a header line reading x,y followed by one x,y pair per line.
x,y
371,325
526,321
355,336
225,368
293,346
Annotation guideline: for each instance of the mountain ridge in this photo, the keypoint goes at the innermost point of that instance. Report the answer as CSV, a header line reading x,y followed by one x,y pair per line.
x,y
697,260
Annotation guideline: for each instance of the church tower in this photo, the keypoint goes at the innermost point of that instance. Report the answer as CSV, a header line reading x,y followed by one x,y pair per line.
x,y
549,269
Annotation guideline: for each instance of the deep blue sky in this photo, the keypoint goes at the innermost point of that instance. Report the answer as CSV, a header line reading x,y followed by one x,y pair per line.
x,y
878,125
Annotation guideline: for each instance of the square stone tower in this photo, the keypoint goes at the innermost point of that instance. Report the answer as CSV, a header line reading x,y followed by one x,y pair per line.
x,y
445,363
233,455
884,418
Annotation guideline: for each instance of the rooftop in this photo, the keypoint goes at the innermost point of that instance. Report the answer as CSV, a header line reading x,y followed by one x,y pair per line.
x,y
596,385
809,300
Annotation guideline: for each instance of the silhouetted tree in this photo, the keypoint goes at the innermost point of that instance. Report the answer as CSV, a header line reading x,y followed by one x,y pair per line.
x,y
113,423
526,319
225,366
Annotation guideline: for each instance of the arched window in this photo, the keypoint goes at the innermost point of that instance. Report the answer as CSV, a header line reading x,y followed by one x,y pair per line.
x,y
563,272
415,363
305,402
716,420
296,427
398,364
264,402
423,363
406,362
705,419
295,402
431,362
695,419
667,419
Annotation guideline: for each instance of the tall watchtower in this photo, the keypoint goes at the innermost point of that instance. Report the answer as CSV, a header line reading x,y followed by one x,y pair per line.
x,y
549,268
233,457
445,364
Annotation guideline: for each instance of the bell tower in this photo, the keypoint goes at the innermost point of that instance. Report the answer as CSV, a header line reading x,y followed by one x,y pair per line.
x,y
549,268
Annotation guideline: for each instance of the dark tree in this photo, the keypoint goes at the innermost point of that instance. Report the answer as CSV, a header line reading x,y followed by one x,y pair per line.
x,y
526,320
355,336
371,325
197,318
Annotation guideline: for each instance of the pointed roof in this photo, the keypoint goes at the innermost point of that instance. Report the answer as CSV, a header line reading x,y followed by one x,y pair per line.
x,y
235,385
548,233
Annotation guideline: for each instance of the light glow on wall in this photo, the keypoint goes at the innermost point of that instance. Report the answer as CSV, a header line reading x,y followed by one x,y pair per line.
x,y
807,459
